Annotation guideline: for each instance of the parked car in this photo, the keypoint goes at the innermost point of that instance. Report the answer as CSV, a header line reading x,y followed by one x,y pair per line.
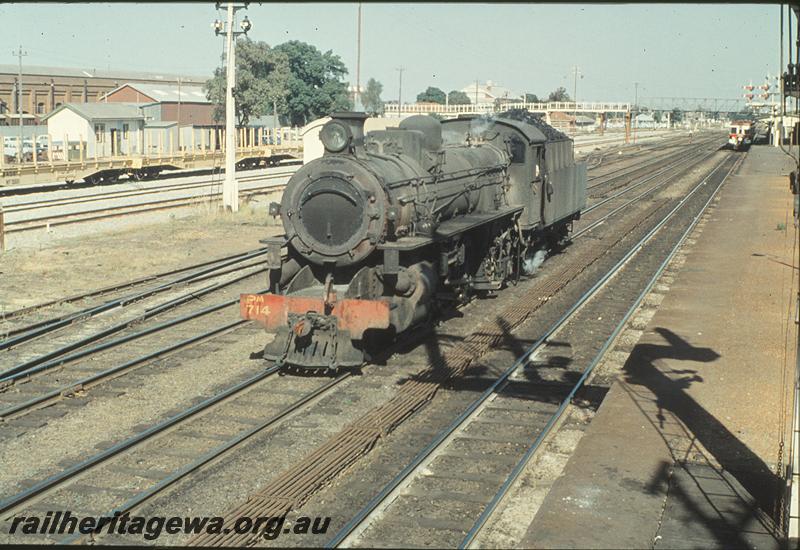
x,y
11,148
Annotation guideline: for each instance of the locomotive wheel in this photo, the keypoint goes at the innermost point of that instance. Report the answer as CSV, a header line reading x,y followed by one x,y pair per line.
x,y
92,180
111,178
139,175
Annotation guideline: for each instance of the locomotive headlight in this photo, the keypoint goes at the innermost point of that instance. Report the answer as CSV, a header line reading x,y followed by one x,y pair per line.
x,y
335,136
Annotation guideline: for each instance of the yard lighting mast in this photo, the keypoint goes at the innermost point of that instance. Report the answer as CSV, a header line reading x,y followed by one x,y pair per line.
x,y
230,189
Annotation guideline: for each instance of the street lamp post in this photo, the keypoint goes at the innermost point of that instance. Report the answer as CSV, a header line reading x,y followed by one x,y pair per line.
x,y
230,188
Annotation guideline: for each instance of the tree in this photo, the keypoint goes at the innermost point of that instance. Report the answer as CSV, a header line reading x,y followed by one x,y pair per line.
x,y
315,87
457,97
262,75
677,115
431,95
532,98
371,98
657,116
560,94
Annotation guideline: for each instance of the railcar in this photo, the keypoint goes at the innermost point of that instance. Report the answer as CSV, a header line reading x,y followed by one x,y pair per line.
x,y
741,134
387,228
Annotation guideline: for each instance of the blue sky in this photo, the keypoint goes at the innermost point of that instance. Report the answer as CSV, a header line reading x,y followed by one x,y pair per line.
x,y
706,50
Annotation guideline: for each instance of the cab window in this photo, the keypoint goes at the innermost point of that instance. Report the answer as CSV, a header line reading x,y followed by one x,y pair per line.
x,y
517,151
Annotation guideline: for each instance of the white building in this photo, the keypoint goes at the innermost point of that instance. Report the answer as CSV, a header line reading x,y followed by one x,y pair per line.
x,y
108,129
489,92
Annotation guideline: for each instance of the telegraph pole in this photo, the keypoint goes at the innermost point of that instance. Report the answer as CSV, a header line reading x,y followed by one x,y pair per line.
x,y
230,189
400,91
357,96
19,53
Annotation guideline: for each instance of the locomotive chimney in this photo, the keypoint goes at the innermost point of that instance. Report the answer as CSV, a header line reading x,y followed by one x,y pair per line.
x,y
354,123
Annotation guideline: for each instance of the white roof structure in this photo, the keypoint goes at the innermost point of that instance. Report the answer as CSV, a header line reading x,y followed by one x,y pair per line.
x,y
168,93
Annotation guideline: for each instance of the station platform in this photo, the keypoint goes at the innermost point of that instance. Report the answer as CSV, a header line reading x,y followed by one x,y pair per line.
x,y
684,450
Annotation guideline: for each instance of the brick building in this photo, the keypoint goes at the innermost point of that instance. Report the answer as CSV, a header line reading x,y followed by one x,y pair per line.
x,y
185,104
46,88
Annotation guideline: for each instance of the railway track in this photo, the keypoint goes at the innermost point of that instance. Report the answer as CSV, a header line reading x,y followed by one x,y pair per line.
x,y
609,205
535,409
156,203
179,445
87,380
16,332
38,309
207,455
113,337
615,179
117,194
294,487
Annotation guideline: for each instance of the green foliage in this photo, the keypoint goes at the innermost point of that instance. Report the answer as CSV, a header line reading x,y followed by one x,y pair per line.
x,y
532,98
677,115
457,97
314,85
657,116
262,74
559,94
431,95
371,98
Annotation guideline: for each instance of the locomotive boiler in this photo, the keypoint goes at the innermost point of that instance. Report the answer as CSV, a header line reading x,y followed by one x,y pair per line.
x,y
386,227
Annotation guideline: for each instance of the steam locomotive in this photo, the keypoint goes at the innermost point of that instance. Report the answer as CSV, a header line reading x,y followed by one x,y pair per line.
x,y
386,228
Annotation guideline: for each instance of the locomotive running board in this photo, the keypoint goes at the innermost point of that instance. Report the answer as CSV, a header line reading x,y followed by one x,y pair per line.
x,y
450,228
355,316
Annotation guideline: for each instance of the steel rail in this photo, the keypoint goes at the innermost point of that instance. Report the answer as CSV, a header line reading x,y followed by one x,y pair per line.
x,y
123,193
71,472
520,466
217,452
119,286
359,522
665,170
626,170
44,327
603,218
57,357
123,210
93,379
636,198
